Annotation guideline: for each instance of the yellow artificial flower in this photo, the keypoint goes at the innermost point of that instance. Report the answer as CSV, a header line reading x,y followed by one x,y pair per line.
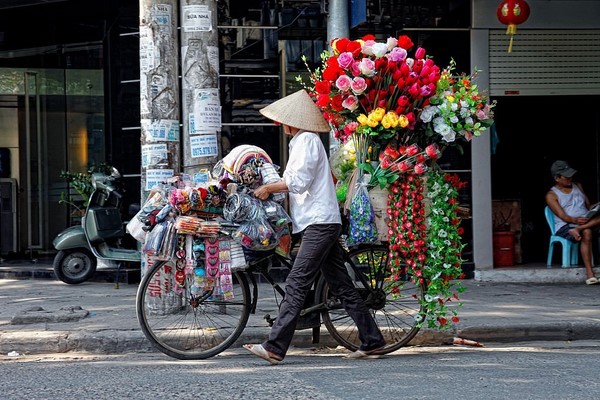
x,y
378,113
402,121
362,119
450,99
372,121
390,120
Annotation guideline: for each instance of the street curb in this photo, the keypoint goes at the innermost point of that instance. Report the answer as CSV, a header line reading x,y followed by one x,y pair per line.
x,y
563,331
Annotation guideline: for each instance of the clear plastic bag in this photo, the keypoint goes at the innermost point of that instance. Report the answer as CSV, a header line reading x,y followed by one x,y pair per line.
x,y
256,235
362,227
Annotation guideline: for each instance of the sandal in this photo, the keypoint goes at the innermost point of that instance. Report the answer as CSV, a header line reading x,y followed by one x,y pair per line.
x,y
592,281
373,353
361,354
260,351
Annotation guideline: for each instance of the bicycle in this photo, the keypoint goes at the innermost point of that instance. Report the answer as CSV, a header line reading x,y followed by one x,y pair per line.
x,y
199,326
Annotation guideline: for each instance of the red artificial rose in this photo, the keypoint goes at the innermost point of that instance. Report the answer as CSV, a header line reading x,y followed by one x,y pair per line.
x,y
323,87
354,47
405,42
402,101
336,103
341,44
368,37
323,100
412,149
331,73
404,69
420,168
417,66
391,151
380,63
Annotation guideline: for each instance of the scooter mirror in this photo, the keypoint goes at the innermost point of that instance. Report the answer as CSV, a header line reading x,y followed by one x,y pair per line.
x,y
115,173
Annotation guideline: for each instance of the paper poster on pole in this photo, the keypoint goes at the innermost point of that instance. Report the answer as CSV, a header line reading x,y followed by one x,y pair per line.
x,y
161,15
196,18
161,130
156,177
155,155
207,112
204,146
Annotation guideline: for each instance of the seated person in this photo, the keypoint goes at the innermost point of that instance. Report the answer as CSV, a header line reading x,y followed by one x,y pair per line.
x,y
570,205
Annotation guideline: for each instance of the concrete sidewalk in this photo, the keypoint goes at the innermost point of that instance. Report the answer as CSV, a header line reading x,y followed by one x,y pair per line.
x,y
40,314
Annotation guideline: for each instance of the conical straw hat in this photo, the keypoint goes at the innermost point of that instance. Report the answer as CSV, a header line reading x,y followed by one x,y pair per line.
x,y
297,110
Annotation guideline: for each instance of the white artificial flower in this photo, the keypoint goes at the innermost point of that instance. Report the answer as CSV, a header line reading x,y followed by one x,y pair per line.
x,y
428,113
379,49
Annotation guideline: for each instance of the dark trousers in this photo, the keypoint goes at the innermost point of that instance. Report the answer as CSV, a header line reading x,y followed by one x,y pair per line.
x,y
320,250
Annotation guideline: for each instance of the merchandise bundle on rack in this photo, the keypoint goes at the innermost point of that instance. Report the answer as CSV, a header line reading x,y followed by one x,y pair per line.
x,y
209,229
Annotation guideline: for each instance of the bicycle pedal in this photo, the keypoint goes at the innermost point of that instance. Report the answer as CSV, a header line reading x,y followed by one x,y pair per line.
x,y
269,320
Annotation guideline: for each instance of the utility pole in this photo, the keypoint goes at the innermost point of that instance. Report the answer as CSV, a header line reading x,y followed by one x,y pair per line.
x,y
159,93
159,96
338,25
201,105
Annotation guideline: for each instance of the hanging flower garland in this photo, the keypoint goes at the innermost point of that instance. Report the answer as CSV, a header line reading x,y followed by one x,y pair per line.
x,y
425,242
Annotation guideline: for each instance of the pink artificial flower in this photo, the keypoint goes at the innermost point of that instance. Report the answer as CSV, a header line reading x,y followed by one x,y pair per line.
x,y
397,54
355,68
414,90
350,103
345,60
343,83
420,53
481,115
367,67
358,85
367,47
350,127
424,91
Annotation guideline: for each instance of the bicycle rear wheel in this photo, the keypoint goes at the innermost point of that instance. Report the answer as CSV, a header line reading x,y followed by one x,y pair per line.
x,y
396,315
190,326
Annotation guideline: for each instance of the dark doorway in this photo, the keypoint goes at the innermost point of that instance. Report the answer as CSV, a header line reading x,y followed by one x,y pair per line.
x,y
529,135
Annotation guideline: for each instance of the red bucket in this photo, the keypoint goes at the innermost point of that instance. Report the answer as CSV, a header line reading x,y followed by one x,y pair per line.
x,y
504,249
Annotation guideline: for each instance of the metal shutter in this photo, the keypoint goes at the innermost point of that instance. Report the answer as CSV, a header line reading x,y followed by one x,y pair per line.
x,y
545,62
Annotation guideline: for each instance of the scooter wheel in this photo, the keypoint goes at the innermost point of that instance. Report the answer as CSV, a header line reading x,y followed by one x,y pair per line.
x,y
74,266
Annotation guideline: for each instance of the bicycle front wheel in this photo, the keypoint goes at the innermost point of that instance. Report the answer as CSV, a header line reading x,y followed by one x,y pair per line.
x,y
397,315
190,324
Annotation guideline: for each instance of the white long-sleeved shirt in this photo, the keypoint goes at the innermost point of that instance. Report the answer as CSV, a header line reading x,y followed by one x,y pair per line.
x,y
310,184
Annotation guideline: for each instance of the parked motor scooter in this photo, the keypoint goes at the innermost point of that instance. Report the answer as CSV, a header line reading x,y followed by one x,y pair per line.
x,y
98,237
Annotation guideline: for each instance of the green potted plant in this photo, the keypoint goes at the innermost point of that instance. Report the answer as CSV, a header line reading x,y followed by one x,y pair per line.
x,y
82,183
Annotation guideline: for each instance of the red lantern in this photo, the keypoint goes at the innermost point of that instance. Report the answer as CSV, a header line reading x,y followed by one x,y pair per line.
x,y
512,13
